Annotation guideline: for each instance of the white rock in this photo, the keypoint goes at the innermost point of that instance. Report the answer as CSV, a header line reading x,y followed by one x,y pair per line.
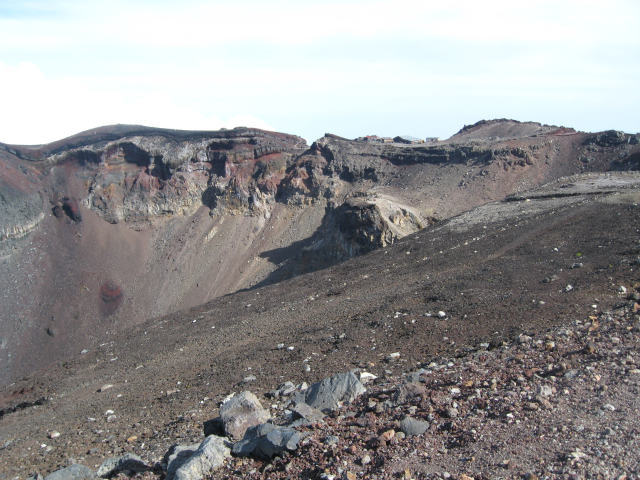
x,y
441,314
394,355
54,434
545,390
367,377
622,289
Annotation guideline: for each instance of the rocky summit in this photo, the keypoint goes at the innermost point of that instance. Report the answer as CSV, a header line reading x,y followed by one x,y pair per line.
x,y
238,304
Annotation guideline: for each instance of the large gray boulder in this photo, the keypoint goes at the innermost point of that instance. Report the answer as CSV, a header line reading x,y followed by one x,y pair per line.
x,y
127,463
266,441
73,472
209,455
330,393
241,412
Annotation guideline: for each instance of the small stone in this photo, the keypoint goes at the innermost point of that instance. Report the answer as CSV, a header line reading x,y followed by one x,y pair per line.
x,y
568,288
608,406
53,434
530,476
388,435
622,289
400,435
412,427
249,379
331,440
280,346
545,391
105,387
442,314
465,477
451,412
522,338
365,460
351,476
394,356
132,438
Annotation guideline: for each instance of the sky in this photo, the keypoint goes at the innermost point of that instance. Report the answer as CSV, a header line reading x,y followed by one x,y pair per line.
x,y
348,67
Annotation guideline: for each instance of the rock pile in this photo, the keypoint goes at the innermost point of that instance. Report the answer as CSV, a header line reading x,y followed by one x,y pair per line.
x,y
248,429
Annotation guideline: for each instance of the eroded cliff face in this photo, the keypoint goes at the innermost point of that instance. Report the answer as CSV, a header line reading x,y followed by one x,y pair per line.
x,y
108,228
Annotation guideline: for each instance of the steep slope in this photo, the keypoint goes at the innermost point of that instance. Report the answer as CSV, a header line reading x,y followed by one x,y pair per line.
x,y
116,225
538,259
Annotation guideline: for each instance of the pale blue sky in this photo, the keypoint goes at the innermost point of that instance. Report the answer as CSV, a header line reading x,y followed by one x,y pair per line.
x,y
307,67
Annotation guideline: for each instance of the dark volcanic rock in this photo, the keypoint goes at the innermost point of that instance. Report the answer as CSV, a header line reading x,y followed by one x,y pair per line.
x,y
266,441
73,472
331,392
128,464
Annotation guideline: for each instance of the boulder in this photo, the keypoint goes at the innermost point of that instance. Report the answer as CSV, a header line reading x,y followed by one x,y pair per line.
x,y
128,464
329,393
209,455
73,472
176,456
304,414
241,412
266,441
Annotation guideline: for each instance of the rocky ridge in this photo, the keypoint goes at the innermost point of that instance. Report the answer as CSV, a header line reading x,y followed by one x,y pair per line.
x,y
119,224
